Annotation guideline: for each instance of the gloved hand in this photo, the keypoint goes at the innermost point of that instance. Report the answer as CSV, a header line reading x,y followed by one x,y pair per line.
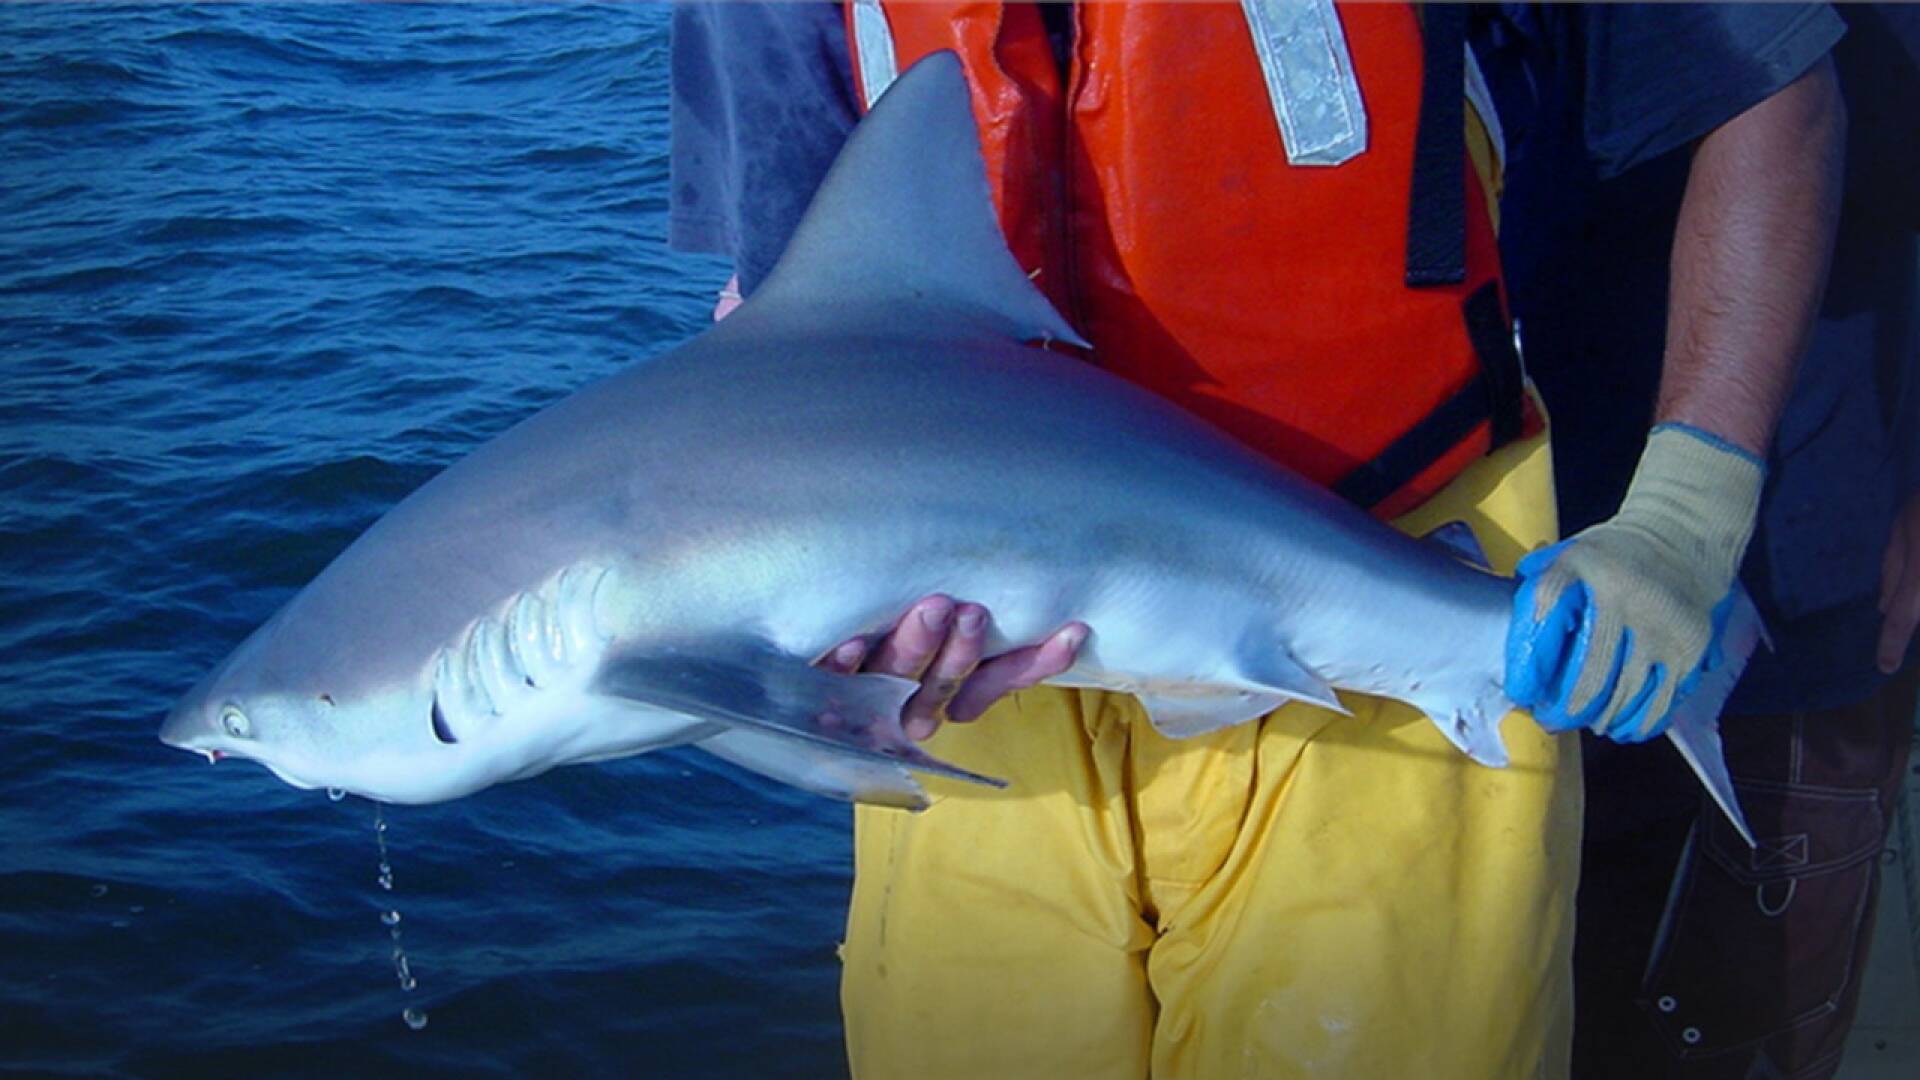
x,y
1611,624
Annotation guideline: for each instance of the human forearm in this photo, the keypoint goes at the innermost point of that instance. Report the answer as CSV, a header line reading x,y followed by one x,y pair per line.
x,y
1615,625
1750,260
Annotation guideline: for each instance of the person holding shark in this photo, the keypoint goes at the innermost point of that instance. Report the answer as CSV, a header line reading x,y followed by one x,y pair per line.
x,y
1281,216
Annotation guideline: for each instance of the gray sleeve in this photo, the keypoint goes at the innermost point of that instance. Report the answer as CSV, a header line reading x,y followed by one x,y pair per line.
x,y
1659,76
761,101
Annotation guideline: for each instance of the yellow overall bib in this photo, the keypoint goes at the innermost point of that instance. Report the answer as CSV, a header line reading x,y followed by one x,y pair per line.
x,y
1307,895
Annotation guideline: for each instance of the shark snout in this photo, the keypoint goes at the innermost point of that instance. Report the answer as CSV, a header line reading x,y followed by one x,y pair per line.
x,y
185,727
196,725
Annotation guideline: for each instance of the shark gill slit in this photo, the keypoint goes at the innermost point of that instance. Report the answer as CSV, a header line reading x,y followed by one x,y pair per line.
x,y
440,729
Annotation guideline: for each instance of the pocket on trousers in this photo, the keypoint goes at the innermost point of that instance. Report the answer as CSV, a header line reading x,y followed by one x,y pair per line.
x,y
1758,942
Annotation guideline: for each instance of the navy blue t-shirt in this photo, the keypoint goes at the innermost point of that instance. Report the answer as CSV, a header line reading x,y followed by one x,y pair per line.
x,y
762,99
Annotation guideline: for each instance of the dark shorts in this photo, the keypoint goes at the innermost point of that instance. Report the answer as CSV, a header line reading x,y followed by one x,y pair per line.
x,y
1697,957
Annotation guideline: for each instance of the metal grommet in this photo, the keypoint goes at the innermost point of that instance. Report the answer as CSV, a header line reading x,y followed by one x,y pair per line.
x,y
1690,1036
1666,1004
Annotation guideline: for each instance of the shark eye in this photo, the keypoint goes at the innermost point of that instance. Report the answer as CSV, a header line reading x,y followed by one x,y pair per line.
x,y
236,722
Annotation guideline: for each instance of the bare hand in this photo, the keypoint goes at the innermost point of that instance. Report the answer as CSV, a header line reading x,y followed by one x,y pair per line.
x,y
939,643
1900,587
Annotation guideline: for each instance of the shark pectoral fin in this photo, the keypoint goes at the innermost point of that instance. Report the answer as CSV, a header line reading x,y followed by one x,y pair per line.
x,y
1181,715
753,685
1695,730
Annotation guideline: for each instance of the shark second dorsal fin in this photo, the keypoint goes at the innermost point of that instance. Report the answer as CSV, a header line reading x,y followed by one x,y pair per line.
x,y
905,220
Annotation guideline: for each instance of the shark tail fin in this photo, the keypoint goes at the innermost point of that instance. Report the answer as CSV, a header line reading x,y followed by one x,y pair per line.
x,y
1695,730
905,220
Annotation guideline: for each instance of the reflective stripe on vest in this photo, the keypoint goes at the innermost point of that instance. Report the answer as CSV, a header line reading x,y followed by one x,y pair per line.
x,y
1310,82
873,49
1303,55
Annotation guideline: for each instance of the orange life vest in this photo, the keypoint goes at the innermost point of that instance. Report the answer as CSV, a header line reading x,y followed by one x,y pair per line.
x,y
1244,209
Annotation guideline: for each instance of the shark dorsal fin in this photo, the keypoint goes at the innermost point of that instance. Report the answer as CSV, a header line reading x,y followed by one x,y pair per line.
x,y
904,219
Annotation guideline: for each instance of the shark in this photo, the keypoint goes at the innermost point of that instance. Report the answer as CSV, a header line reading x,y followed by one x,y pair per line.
x,y
660,558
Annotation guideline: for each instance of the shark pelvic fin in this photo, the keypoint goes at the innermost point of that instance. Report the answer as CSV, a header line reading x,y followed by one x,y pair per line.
x,y
1266,676
816,769
904,220
750,684
1269,665
1183,715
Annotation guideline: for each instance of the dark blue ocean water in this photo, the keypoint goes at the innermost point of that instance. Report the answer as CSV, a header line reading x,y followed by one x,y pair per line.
x,y
263,270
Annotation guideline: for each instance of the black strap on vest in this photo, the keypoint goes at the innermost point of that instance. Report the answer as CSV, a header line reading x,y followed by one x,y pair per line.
x,y
1437,208
1494,392
1437,255
1493,341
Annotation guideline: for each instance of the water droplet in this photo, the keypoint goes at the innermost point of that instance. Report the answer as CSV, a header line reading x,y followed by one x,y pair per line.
x,y
336,794
390,918
415,1018
121,924
98,891
136,909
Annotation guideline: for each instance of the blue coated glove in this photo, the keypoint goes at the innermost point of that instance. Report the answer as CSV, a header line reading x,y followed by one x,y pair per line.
x,y
1613,626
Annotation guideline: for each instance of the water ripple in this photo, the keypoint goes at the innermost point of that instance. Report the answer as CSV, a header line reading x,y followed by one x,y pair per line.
x,y
267,269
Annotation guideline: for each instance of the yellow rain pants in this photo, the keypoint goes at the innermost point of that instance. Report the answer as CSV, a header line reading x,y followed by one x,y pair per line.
x,y
1307,895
